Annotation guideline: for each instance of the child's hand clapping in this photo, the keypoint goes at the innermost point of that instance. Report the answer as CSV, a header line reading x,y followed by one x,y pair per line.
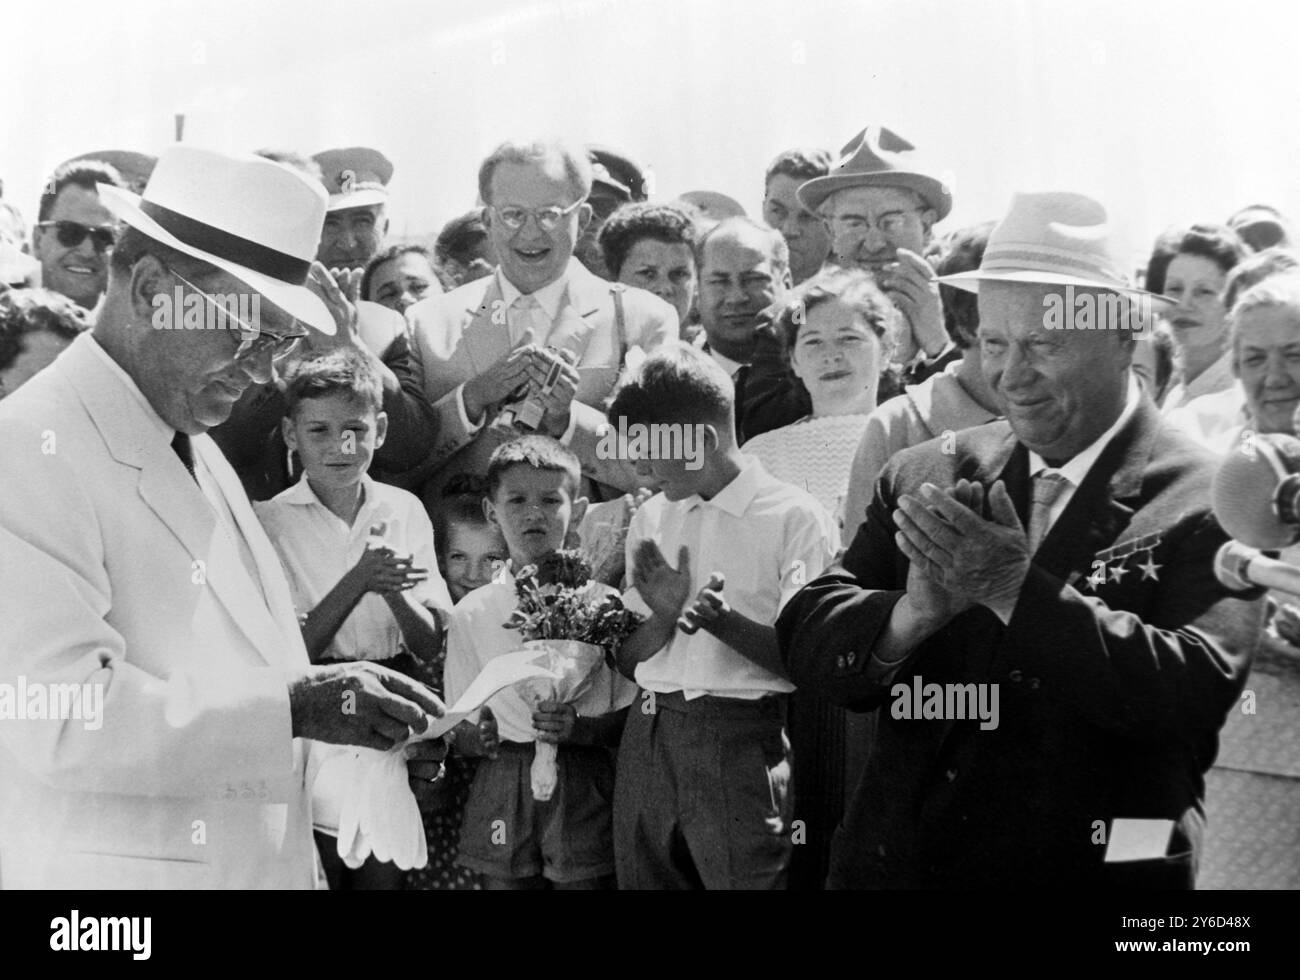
x,y
708,609
665,589
554,721
382,570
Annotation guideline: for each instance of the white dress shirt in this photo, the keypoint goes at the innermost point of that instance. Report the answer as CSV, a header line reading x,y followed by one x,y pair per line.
x,y
317,549
768,539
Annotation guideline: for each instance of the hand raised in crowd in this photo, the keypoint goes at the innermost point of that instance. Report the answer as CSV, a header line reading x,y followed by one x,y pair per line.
x,y
981,560
382,570
663,588
360,704
928,598
505,379
910,283
337,289
708,609
553,721
479,739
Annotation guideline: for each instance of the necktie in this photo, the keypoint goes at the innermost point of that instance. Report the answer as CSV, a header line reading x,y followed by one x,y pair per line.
x,y
526,322
1048,487
181,446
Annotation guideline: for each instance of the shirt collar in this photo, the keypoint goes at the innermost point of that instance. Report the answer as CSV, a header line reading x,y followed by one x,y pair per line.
x,y
737,495
163,428
301,493
726,363
548,297
1077,468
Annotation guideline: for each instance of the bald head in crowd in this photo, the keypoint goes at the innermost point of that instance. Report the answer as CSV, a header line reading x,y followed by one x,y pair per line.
x,y
744,268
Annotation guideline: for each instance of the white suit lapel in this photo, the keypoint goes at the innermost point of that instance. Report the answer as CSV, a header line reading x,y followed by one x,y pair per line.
x,y
279,603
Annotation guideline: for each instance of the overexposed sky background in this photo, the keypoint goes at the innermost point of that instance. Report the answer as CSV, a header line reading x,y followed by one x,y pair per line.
x,y
1170,111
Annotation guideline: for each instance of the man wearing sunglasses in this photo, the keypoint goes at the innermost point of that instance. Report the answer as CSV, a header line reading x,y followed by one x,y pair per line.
x,y
75,233
541,329
133,565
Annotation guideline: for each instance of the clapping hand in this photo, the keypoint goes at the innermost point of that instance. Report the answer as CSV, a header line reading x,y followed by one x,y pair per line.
x,y
664,588
382,570
709,608
972,558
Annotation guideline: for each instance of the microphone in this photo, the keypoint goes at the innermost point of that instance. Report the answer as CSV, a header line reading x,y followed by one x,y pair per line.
x,y
1256,491
1241,569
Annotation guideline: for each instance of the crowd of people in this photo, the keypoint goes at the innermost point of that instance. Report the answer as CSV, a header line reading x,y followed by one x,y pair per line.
x,y
908,494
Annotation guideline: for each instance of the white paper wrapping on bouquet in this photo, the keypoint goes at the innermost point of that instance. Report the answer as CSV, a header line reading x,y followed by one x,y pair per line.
x,y
366,794
572,667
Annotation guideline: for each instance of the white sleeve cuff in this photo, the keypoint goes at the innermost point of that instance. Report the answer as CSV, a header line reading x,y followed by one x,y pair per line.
x,y
471,428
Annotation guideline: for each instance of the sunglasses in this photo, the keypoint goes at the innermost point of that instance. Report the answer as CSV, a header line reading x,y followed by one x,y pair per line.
x,y
254,342
72,233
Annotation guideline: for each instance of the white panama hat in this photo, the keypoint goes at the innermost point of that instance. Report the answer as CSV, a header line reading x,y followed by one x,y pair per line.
x,y
253,218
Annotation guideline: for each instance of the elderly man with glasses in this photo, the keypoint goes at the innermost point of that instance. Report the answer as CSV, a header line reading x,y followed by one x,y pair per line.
x,y
538,345
136,580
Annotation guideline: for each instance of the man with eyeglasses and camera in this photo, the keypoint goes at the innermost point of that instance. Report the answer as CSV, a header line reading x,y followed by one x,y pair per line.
x,y
136,580
74,232
538,345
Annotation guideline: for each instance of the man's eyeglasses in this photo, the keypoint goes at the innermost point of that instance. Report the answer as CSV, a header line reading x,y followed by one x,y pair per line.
x,y
72,233
515,218
253,341
890,224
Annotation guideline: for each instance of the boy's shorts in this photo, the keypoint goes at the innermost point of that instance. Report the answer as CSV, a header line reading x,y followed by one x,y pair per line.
x,y
507,834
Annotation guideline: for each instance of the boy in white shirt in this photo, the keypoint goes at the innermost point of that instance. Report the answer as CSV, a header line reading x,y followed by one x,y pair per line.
x,y
358,554
513,840
703,796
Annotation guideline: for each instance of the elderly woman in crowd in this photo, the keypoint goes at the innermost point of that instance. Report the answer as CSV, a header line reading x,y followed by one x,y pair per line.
x,y
1216,420
399,276
1191,267
839,330
35,326
652,246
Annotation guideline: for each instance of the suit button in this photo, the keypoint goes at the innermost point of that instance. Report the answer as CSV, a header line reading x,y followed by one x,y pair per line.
x,y
840,662
1015,676
1034,684
951,774
851,658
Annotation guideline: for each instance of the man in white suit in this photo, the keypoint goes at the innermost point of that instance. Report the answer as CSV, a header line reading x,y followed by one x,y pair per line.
x,y
132,565
491,343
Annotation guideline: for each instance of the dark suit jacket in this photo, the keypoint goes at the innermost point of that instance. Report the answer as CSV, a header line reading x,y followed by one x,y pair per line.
x,y
1111,697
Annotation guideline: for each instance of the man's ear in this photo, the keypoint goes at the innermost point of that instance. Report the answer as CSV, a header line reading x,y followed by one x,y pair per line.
x,y
490,513
381,428
149,278
585,214
290,433
928,217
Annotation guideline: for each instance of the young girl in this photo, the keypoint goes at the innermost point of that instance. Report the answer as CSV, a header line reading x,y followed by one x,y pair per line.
x,y
470,550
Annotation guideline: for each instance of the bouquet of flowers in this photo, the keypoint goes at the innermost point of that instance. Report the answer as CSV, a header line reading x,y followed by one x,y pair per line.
x,y
575,624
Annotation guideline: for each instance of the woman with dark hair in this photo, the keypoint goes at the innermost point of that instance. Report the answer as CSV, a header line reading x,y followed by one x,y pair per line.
x,y
35,326
839,329
652,246
1191,267
399,277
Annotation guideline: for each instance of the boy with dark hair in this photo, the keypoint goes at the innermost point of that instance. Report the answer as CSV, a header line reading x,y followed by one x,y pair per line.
x,y
703,795
513,840
358,554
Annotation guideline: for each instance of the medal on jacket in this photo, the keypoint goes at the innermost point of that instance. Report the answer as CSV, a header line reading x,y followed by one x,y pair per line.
x,y
1110,565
